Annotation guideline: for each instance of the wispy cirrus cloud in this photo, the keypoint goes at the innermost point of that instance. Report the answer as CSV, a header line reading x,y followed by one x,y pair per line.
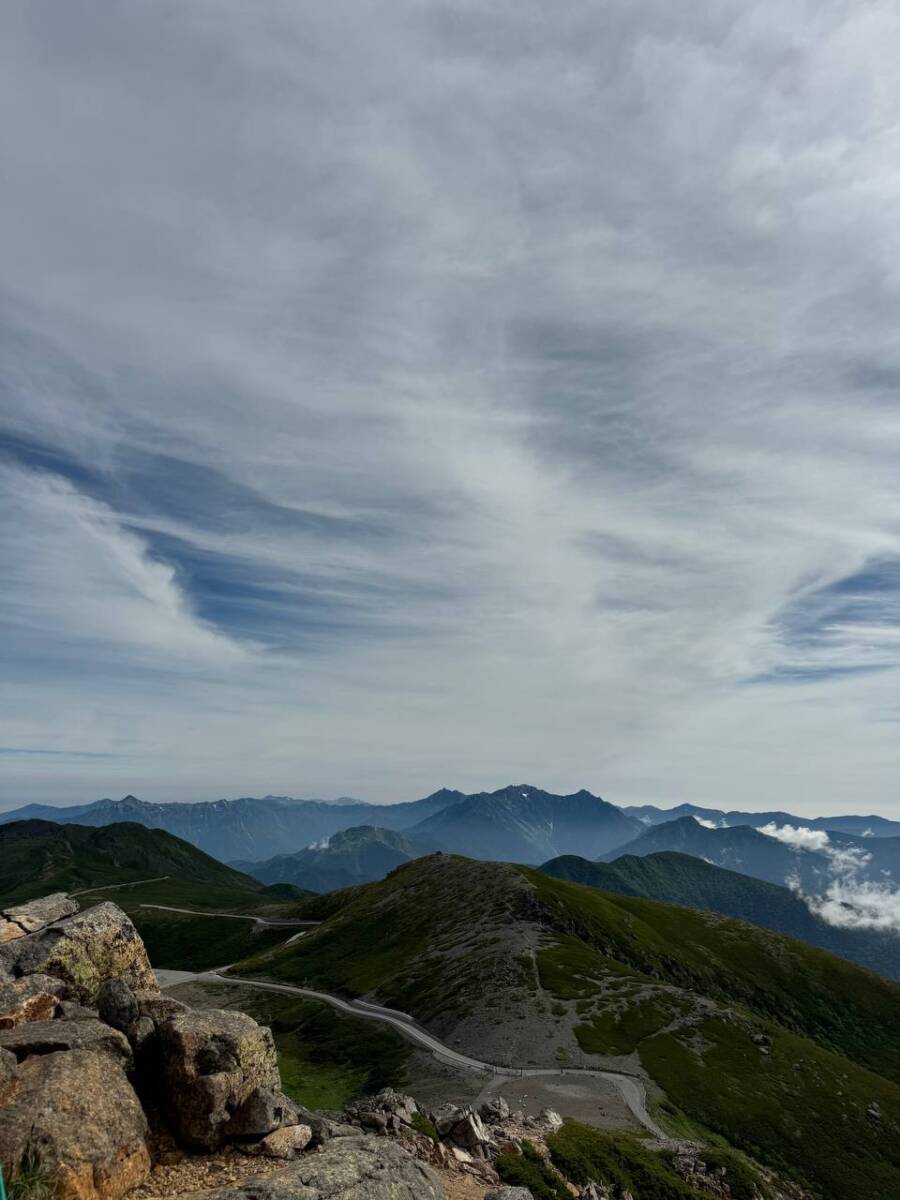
x,y
430,395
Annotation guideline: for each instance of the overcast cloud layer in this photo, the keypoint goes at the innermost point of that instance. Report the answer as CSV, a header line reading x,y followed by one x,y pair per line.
x,y
408,395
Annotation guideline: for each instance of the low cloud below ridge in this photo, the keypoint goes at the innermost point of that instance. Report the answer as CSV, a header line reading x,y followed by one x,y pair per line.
x,y
847,902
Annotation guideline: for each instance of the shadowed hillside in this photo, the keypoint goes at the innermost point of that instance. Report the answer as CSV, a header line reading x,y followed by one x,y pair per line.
x,y
682,879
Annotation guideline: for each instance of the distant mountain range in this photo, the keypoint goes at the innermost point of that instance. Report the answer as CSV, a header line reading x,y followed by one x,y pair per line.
x,y
751,852
518,823
682,879
249,828
871,826
521,823
350,857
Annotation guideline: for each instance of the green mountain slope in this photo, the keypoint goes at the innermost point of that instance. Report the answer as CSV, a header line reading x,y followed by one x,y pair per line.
x,y
682,879
37,857
149,873
790,1053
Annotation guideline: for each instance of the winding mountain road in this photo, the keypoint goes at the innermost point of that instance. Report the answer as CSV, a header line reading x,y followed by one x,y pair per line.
x,y
629,1087
273,922
110,887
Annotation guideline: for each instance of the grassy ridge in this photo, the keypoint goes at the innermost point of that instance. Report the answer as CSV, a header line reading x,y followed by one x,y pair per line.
x,y
794,1093
840,1005
681,879
398,936
780,1048
39,857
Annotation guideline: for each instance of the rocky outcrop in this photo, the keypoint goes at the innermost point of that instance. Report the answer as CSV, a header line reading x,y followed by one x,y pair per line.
x,y
51,1037
688,1161
451,1137
8,1070
87,1040
212,1060
495,1111
117,1004
83,951
351,1168
22,919
33,998
77,1113
509,1193
287,1142
262,1112
65,1091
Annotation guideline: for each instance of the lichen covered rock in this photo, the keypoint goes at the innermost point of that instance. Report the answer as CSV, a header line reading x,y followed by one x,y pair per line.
x,y
84,951
212,1060
77,1113
8,1069
50,1037
21,919
287,1142
263,1111
32,998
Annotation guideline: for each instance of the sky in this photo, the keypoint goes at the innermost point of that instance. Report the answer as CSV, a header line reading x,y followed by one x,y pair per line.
x,y
450,394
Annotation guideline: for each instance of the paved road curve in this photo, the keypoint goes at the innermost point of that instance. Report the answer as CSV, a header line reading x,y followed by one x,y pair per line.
x,y
629,1087
108,887
275,922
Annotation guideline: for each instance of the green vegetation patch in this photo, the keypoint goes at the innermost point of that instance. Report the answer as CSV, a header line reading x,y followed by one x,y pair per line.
x,y
31,1180
588,1155
326,1059
619,1030
183,943
800,1108
422,1125
529,1170
814,993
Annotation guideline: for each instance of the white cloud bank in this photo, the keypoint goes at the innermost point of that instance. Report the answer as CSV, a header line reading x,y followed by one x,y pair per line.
x,y
847,901
853,905
800,837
